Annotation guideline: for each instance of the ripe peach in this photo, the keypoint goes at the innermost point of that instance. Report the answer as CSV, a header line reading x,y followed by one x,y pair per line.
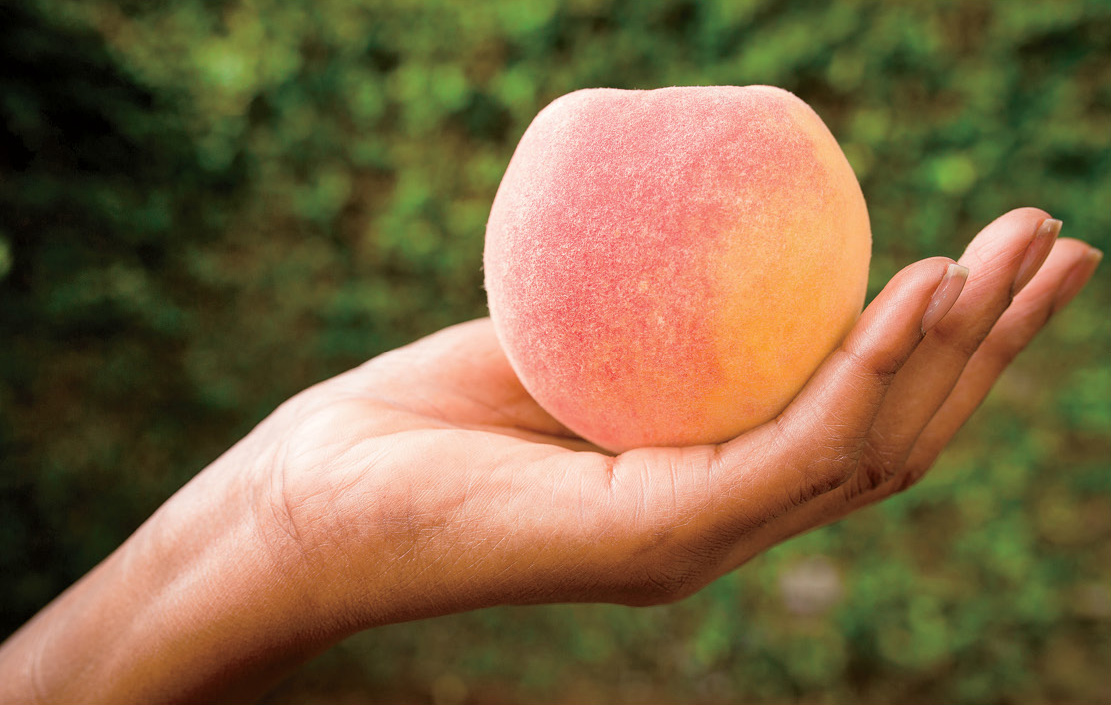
x,y
669,267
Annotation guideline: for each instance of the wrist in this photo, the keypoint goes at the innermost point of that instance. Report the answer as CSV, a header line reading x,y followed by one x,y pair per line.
x,y
194,606
230,601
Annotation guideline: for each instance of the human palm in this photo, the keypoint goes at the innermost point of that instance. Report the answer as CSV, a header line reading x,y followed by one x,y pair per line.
x,y
428,481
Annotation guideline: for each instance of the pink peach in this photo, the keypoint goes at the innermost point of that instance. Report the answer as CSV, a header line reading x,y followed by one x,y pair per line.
x,y
669,267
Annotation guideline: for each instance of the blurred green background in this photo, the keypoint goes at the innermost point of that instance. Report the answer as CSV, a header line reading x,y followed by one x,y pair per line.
x,y
207,205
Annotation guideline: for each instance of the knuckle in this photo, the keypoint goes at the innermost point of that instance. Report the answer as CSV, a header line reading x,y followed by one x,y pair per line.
x,y
869,478
882,364
830,467
880,461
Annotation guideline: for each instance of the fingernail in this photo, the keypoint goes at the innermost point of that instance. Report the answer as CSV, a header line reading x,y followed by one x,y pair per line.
x,y
945,295
1036,252
1077,277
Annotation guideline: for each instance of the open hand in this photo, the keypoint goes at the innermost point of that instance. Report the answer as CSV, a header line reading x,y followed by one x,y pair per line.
x,y
427,481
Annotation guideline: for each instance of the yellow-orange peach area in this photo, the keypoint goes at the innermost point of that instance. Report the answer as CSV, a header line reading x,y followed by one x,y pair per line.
x,y
669,267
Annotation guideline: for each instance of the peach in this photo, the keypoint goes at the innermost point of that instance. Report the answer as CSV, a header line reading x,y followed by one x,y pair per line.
x,y
669,267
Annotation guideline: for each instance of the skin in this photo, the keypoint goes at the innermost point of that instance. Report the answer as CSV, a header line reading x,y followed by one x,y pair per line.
x,y
427,482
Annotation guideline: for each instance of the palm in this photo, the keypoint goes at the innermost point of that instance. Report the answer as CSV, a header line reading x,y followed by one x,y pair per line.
x,y
459,378
440,441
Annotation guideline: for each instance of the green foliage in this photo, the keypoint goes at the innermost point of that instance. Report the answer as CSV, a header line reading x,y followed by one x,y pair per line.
x,y
207,205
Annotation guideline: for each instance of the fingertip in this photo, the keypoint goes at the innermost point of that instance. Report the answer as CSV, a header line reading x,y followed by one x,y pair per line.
x,y
1006,238
1026,212
945,295
1079,275
1025,217
1036,253
897,317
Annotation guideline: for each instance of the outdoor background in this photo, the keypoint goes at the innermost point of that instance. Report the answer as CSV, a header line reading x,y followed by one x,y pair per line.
x,y
207,205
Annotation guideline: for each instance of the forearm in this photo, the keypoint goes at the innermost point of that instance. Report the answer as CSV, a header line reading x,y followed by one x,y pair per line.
x,y
193,607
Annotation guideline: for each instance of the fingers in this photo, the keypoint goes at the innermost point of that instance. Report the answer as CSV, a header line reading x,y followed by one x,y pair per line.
x,y
1001,259
1068,268
817,438
1077,278
694,504
757,488
889,383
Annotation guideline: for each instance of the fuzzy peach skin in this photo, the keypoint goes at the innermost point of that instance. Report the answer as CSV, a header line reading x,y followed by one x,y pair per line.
x,y
669,267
